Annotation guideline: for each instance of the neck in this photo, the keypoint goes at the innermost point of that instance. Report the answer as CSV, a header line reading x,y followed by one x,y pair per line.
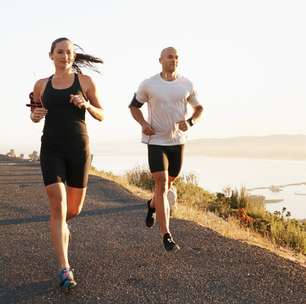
x,y
59,73
169,76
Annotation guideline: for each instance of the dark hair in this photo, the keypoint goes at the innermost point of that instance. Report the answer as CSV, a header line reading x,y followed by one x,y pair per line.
x,y
81,60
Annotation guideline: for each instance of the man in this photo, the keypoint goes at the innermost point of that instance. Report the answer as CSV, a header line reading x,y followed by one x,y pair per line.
x,y
167,95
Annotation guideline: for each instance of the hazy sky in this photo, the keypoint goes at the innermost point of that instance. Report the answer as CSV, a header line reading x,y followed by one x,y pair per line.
x,y
246,58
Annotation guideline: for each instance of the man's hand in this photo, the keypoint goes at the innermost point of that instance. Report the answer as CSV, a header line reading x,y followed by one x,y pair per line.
x,y
147,129
183,125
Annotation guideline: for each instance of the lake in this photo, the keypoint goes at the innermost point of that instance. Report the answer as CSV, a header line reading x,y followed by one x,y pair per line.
x,y
214,174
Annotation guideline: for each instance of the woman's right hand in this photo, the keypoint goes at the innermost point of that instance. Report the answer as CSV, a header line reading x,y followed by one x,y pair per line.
x,y
38,114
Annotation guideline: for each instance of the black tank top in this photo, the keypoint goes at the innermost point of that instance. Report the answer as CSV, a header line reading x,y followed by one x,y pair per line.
x,y
63,119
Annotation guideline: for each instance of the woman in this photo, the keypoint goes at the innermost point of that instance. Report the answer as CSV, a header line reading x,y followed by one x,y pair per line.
x,y
63,99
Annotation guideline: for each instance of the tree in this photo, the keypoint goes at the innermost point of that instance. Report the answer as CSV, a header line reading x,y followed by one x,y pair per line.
x,y
34,156
11,153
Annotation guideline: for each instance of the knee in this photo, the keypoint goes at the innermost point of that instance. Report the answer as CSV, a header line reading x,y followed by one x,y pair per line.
x,y
58,210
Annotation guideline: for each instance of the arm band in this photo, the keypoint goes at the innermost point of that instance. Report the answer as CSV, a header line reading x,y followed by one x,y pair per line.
x,y
190,122
135,103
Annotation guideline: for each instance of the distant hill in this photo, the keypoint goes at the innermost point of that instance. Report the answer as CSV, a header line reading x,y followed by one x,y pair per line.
x,y
271,147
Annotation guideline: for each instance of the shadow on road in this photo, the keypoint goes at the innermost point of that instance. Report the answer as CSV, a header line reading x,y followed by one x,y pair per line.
x,y
95,212
26,292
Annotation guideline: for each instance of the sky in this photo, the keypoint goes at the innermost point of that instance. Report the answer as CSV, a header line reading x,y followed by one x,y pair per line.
x,y
246,59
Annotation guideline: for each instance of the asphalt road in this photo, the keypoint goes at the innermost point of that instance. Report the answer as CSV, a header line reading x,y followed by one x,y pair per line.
x,y
118,260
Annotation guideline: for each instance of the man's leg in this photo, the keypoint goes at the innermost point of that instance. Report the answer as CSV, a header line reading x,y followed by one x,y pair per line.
x,y
158,164
174,155
160,200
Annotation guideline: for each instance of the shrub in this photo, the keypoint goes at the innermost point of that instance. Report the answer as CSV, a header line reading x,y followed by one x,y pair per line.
x,y
141,178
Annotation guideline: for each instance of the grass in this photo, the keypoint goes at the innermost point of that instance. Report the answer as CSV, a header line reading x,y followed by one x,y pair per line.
x,y
233,213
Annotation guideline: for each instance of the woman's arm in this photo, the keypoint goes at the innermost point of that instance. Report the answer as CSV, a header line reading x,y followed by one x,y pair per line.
x,y
38,113
93,105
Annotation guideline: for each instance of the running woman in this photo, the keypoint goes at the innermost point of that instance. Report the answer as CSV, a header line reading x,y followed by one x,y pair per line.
x,y
63,99
167,95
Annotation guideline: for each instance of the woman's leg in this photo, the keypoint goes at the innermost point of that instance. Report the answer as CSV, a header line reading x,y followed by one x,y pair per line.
x,y
59,231
75,200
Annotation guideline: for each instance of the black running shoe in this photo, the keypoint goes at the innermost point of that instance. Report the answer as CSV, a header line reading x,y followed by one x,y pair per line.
x,y
150,218
169,244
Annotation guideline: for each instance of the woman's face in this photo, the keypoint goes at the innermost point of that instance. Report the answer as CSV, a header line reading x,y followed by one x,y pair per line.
x,y
63,54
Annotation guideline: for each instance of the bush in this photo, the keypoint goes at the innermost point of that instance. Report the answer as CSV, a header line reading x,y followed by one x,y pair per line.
x,y
288,232
188,191
192,195
141,178
221,205
250,210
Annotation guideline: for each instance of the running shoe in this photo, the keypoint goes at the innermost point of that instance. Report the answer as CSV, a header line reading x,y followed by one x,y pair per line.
x,y
150,218
172,197
66,279
169,244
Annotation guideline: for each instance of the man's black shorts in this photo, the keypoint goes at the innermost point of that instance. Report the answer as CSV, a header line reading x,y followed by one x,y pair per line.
x,y
166,158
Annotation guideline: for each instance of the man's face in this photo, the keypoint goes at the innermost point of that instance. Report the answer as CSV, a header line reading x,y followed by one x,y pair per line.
x,y
169,60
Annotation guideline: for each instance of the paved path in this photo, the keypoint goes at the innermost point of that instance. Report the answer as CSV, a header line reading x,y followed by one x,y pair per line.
x,y
117,260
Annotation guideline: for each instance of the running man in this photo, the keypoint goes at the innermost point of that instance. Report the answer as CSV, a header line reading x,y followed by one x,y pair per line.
x,y
167,95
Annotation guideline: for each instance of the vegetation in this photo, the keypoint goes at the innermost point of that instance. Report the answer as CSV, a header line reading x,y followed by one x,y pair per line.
x,y
34,156
249,210
11,153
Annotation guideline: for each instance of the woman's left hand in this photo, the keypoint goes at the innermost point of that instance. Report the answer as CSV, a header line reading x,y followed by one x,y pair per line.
x,y
79,101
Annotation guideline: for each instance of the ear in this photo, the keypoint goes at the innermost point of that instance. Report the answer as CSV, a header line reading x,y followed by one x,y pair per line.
x,y
50,56
160,60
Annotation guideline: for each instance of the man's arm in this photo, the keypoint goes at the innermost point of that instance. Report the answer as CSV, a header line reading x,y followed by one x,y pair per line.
x,y
196,115
135,106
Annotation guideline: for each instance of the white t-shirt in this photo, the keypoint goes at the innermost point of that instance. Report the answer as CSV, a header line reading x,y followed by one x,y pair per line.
x,y
167,105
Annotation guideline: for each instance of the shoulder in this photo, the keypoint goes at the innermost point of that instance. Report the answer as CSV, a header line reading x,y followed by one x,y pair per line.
x,y
151,80
185,79
85,79
186,82
39,88
40,83
86,82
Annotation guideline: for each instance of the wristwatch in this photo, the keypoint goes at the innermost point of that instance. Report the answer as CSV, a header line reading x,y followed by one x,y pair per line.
x,y
190,121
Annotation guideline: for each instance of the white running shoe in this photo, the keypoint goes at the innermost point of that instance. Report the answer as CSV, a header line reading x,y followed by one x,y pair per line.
x,y
172,197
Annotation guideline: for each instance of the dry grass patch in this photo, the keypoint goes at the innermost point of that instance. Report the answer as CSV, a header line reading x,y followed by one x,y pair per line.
x,y
195,209
232,228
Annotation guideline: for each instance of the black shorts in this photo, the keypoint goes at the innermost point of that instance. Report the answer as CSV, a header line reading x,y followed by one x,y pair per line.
x,y
166,158
65,160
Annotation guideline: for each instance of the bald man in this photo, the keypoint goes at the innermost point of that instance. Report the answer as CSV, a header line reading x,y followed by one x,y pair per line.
x,y
167,95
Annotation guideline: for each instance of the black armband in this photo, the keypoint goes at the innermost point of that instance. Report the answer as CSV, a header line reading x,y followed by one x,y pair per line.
x,y
190,121
135,103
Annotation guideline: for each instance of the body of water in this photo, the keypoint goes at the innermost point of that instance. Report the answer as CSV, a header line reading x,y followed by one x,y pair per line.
x,y
214,174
